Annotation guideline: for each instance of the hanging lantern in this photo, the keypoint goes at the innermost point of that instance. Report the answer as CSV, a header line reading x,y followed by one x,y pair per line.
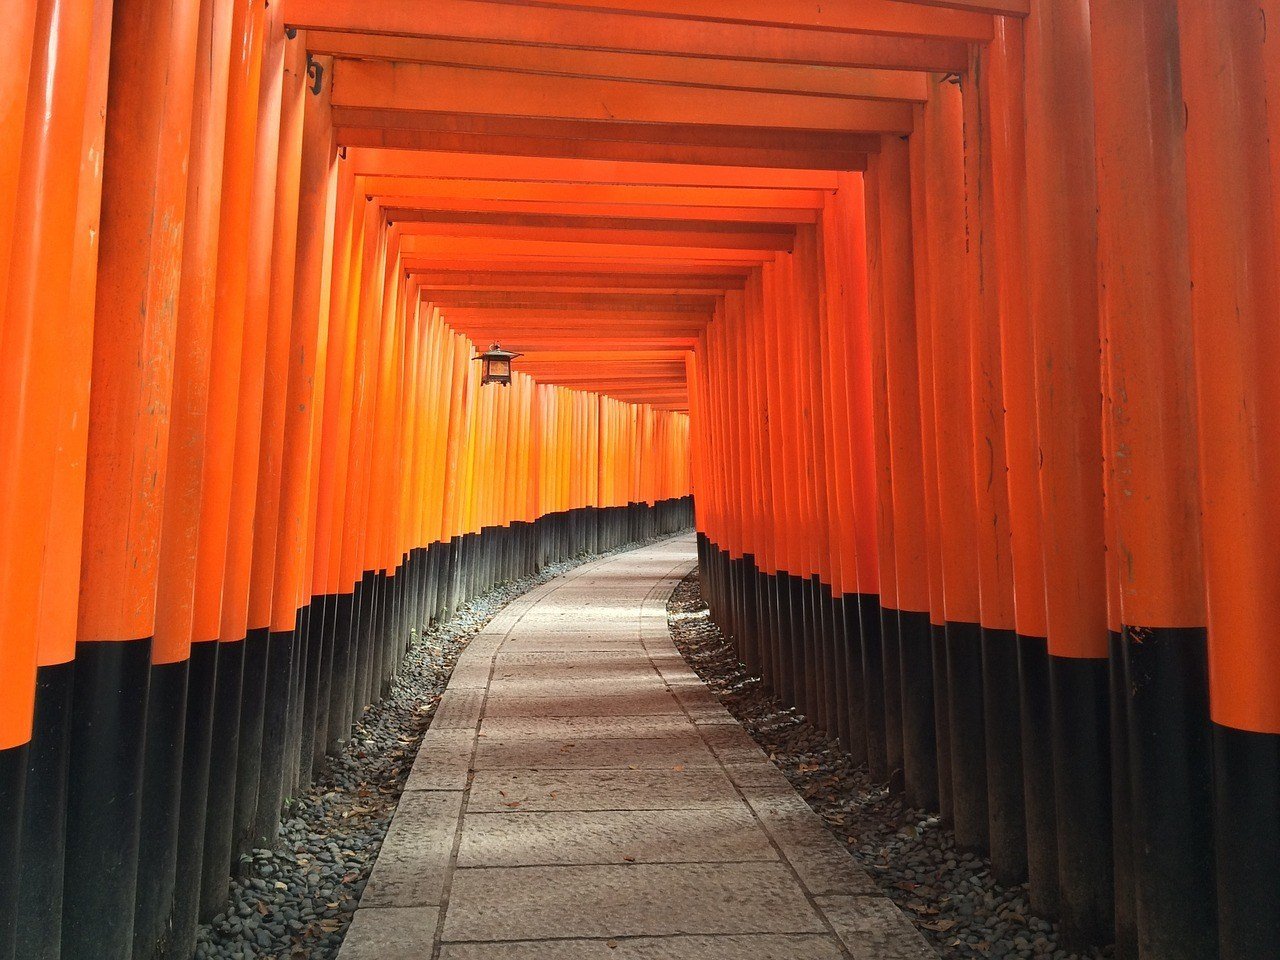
x,y
496,365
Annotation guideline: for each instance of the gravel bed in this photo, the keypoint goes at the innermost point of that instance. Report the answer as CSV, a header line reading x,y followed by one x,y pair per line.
x,y
296,901
948,894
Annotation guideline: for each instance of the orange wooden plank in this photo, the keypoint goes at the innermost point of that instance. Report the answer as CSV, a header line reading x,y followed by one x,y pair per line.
x,y
862,83
635,211
519,129
708,197
551,266
596,30
425,226
360,131
434,89
368,162
513,282
889,17
447,246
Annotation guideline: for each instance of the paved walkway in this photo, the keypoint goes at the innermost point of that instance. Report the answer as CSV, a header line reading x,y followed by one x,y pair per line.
x,y
581,794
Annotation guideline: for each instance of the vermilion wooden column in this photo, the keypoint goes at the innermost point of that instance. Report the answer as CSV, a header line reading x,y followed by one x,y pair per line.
x,y
220,443
1006,815
843,292
813,414
783,495
20,24
951,336
1063,308
51,201
842,561
330,457
1003,84
44,836
148,129
853,233
884,715
179,536
1230,74
902,387
246,465
929,458
1144,284
304,406
277,749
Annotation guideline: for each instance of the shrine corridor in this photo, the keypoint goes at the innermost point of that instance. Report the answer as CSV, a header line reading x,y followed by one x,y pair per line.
x,y
948,328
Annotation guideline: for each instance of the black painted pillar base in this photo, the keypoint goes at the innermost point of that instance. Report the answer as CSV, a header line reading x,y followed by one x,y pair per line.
x,y
311,653
1006,808
919,733
35,885
202,670
1246,801
249,757
837,683
942,718
1171,771
1079,698
850,613
873,686
108,723
13,779
161,793
800,665
968,735
1126,907
1038,793
215,861
271,783
891,669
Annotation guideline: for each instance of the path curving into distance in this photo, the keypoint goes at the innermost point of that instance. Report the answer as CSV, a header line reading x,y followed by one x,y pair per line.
x,y
582,794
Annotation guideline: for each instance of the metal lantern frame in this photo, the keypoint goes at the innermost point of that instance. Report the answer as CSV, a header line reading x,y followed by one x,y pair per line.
x,y
496,365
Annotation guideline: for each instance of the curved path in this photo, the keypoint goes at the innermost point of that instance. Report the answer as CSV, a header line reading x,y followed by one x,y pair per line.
x,y
582,794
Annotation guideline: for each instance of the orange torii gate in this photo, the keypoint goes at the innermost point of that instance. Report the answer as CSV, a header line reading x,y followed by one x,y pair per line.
x,y
957,318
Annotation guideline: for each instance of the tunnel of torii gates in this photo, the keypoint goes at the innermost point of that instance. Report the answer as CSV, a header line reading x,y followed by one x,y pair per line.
x,y
959,318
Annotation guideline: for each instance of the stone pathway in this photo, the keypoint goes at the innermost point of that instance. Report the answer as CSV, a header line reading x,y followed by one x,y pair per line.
x,y
581,794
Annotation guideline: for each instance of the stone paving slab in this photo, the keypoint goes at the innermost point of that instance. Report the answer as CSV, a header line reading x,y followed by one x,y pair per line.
x,y
443,762
557,668
821,863
717,834
524,903
652,726
495,791
755,947
581,794
630,753
413,864
873,928
398,933
580,686
625,703
509,659
547,642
